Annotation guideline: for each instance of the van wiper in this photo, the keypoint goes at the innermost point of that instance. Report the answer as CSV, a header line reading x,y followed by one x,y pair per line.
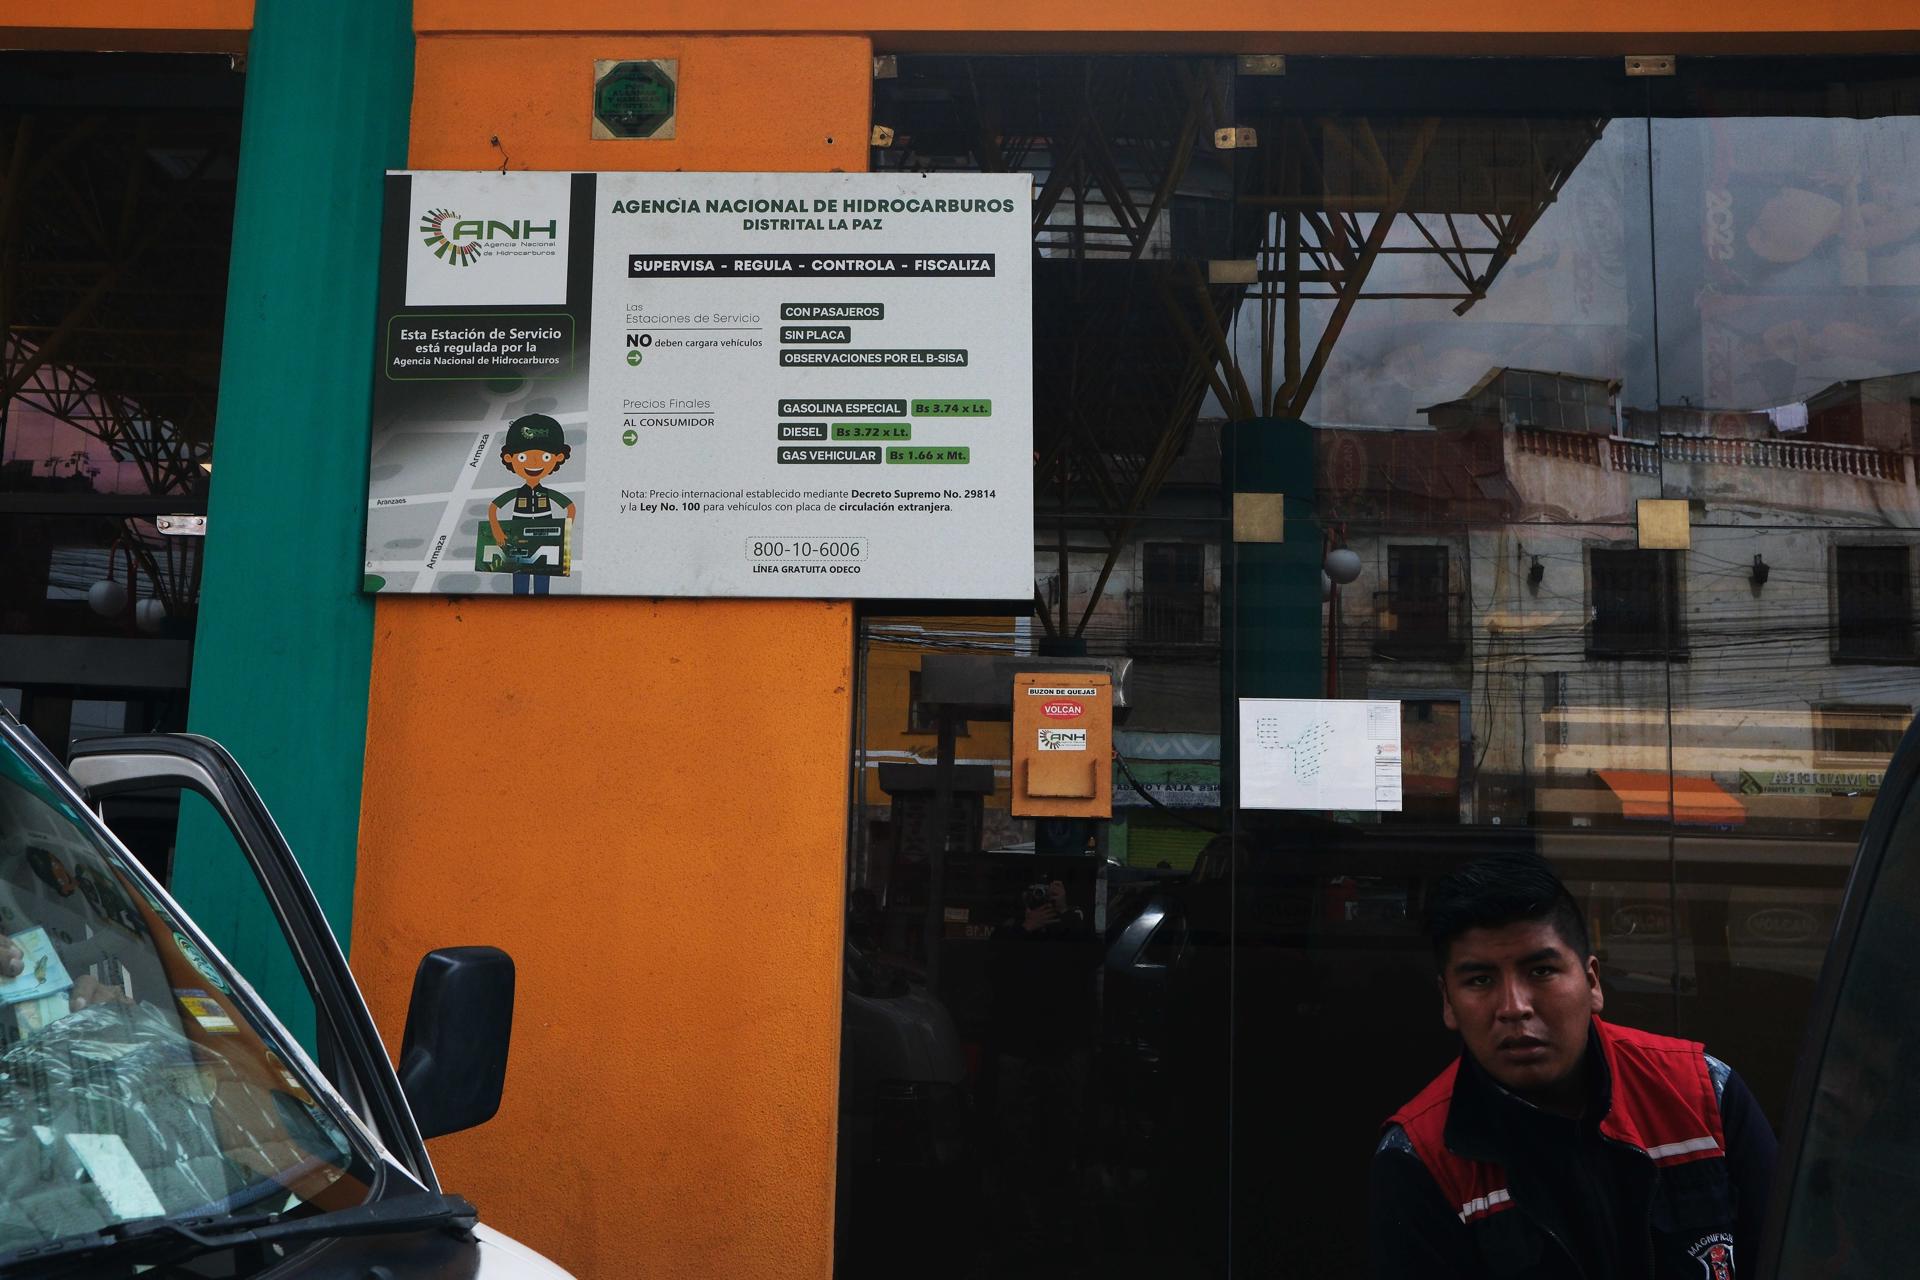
x,y
161,1241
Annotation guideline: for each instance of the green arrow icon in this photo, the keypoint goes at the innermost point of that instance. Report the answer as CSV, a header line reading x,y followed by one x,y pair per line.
x,y
630,437
633,357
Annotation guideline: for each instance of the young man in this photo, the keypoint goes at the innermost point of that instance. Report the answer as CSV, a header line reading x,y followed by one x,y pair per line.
x,y
1559,1145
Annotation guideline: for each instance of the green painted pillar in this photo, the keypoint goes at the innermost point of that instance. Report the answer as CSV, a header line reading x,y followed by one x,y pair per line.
x,y
1270,591
285,638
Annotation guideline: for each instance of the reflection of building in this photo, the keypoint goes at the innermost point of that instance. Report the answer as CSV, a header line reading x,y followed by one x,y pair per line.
x,y
1776,636
1536,646
1530,398
1881,412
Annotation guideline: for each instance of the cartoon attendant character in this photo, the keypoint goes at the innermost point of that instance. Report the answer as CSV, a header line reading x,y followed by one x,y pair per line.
x,y
531,524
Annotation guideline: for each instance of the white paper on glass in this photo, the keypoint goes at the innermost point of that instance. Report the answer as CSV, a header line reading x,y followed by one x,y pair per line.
x,y
1318,753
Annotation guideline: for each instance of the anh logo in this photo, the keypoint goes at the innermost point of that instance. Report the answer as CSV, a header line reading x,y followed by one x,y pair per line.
x,y
1060,710
458,241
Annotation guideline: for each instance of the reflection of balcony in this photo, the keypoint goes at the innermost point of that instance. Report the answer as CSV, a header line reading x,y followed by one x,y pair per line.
x,y
1174,621
1788,455
1569,446
1644,458
1420,626
1636,457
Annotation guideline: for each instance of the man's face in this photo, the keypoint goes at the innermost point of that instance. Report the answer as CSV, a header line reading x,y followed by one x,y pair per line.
x,y
532,465
1522,1000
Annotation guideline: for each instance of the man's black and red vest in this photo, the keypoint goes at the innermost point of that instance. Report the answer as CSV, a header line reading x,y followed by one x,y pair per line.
x,y
1662,1118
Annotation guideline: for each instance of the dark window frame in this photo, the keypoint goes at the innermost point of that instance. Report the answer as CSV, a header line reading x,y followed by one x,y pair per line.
x,y
1867,630
1171,606
1840,740
1420,599
1621,629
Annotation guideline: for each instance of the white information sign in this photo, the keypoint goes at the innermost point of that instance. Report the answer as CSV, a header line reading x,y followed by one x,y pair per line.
x,y
704,384
1312,753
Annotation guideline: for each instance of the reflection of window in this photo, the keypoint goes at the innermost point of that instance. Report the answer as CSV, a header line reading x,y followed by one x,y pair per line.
x,y
1417,595
922,716
91,719
1431,759
1557,402
1636,604
1172,608
71,571
1873,604
1174,566
1857,732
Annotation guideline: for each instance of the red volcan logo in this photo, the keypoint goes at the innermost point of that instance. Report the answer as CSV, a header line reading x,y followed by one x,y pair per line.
x,y
1060,710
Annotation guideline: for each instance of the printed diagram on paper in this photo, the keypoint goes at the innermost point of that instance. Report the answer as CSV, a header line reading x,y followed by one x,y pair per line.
x,y
1305,751
1308,753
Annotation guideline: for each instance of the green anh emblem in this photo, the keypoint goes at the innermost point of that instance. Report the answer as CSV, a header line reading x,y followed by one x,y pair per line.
x,y
198,959
635,99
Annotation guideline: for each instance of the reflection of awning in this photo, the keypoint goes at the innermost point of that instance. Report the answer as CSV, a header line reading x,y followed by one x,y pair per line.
x,y
1698,801
1175,784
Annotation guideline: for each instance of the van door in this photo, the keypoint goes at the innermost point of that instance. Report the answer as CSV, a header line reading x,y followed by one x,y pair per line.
x,y
1849,1172
350,1052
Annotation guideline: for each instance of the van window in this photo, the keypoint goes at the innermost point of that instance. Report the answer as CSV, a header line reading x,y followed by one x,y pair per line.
x,y
1852,1203
135,1081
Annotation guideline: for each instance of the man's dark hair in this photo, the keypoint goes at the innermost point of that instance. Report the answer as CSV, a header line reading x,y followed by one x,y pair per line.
x,y
1495,892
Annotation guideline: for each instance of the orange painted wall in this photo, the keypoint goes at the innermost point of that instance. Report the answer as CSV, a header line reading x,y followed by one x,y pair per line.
x,y
1298,26
151,26
671,886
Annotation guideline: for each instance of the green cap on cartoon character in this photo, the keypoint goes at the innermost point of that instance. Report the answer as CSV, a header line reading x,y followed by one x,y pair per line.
x,y
536,431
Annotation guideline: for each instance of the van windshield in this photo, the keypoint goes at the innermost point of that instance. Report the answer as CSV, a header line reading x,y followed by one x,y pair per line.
x,y
132,1083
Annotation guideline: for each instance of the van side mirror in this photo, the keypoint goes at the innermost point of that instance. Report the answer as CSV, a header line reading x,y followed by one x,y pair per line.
x,y
453,1057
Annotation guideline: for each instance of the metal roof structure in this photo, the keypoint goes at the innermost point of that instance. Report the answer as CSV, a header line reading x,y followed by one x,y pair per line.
x,y
117,184
1179,202
116,214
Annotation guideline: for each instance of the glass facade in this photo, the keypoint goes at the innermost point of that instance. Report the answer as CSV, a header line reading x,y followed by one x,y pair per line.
x,y
120,191
1611,387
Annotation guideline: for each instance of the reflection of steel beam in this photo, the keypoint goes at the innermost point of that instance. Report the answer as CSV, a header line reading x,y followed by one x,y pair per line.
x,y
1369,250
1332,218
1517,227
1133,177
95,330
1117,147
1040,612
47,351
1222,370
1203,356
1188,134
123,419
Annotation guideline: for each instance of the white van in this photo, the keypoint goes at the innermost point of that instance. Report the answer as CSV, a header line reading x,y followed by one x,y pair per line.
x,y
155,1116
